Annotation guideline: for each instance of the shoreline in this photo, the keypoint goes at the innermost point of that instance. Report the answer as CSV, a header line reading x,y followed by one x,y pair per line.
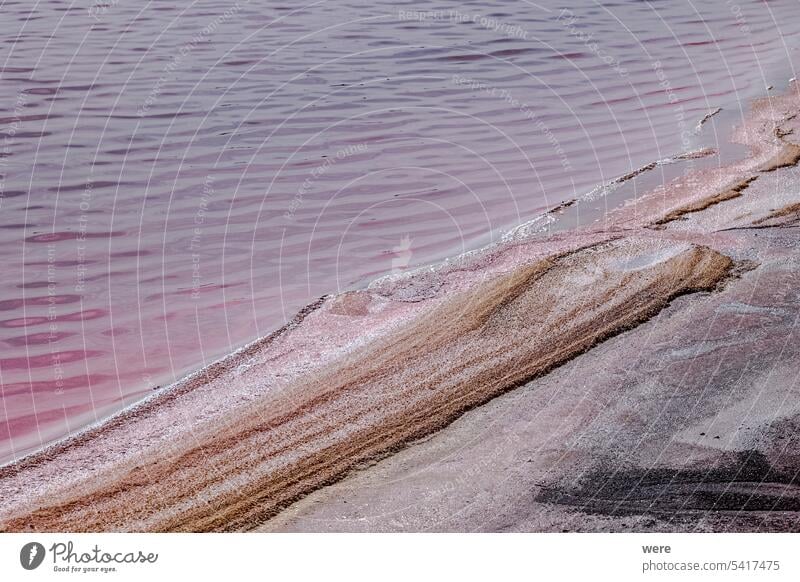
x,y
519,233
648,249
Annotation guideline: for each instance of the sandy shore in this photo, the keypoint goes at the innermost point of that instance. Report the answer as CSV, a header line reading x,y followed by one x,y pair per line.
x,y
641,375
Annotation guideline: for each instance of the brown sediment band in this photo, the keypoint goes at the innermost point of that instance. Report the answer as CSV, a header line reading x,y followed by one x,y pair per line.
x,y
698,206
471,348
787,156
787,214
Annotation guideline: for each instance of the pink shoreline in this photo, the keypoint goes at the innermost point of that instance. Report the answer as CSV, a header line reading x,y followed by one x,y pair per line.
x,y
329,329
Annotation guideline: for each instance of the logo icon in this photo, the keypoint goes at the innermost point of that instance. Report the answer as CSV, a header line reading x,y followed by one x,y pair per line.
x,y
31,555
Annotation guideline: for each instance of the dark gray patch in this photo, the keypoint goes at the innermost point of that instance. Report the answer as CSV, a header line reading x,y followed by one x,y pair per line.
x,y
743,483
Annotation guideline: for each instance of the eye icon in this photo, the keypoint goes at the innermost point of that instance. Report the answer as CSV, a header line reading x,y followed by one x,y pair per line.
x,y
31,555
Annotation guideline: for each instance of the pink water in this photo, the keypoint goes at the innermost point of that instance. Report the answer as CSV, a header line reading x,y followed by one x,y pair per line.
x,y
179,178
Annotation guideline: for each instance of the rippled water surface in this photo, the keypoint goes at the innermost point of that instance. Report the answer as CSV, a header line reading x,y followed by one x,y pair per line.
x,y
179,178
